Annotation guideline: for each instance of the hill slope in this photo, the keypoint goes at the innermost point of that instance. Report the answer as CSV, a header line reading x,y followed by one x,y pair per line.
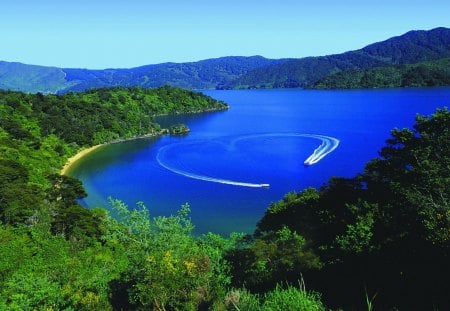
x,y
206,74
31,78
233,71
431,73
412,47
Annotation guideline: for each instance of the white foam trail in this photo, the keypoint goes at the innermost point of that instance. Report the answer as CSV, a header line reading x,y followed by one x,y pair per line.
x,y
328,145
204,177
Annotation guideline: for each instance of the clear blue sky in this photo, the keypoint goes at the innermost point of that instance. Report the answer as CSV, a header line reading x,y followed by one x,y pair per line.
x,y
110,33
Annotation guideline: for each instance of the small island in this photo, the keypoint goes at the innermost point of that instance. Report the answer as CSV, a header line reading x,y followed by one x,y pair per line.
x,y
179,130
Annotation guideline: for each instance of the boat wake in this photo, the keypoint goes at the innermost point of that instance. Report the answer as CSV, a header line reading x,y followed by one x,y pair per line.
x,y
328,145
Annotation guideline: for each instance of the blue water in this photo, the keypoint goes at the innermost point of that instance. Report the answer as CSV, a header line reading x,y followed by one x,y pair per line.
x,y
259,141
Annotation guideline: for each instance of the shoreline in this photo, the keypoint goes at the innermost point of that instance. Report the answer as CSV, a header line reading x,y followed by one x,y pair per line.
x,y
84,152
78,156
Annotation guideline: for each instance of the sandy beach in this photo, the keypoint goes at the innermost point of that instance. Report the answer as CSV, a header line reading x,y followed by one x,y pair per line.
x,y
86,151
77,157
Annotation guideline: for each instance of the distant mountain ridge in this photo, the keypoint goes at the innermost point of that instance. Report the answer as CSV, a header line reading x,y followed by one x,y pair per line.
x,y
205,74
412,47
233,72
32,78
422,74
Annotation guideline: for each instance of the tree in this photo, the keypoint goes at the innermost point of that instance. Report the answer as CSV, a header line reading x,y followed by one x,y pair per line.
x,y
168,268
387,228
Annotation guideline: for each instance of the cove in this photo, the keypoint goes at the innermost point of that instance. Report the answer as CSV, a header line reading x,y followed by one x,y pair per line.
x,y
261,140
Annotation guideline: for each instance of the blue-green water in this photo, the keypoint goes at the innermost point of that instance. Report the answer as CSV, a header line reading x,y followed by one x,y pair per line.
x,y
222,168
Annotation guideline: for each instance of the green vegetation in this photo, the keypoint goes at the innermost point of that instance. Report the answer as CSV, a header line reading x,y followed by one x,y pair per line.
x,y
238,72
383,234
31,78
410,48
205,74
58,255
379,240
39,133
432,73
278,299
179,129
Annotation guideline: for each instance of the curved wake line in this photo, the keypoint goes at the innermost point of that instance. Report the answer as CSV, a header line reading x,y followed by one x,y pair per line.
x,y
328,145
204,177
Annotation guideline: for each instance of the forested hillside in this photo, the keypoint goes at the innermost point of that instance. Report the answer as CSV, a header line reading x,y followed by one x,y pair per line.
x,y
205,74
232,72
381,235
38,133
31,78
424,74
412,47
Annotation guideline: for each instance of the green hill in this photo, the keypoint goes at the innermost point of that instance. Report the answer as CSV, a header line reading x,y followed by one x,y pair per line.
x,y
33,79
234,71
206,74
431,73
412,47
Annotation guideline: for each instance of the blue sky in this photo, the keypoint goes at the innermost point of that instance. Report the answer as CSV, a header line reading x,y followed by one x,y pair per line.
x,y
105,34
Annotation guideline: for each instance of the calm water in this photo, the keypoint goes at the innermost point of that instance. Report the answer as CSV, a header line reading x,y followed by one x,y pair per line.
x,y
258,141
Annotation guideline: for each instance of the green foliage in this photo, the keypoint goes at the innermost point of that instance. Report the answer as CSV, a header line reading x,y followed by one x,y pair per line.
x,y
242,299
412,47
432,73
388,227
179,129
58,255
243,72
292,298
206,74
105,114
65,189
38,133
18,199
274,257
357,237
31,78
43,271
169,268
279,299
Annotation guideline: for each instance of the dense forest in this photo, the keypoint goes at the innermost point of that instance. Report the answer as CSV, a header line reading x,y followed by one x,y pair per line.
x,y
424,74
379,239
410,48
383,233
205,74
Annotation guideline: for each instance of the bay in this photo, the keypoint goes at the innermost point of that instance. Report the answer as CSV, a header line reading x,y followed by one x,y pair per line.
x,y
263,139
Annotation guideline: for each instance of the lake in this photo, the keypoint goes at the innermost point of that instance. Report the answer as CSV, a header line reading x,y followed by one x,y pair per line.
x,y
234,163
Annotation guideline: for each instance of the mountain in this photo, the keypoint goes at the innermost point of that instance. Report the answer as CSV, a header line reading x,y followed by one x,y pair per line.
x,y
31,78
233,72
412,47
431,73
205,74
